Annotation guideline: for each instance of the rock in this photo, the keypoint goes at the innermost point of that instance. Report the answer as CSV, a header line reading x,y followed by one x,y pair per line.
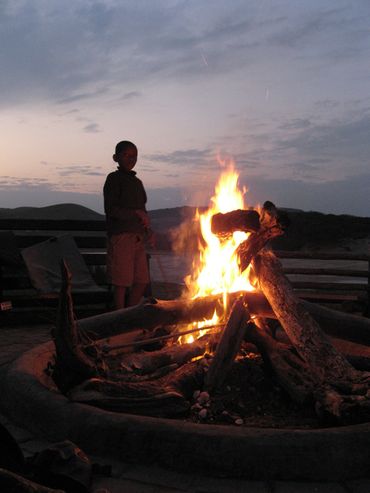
x,y
196,394
203,397
203,413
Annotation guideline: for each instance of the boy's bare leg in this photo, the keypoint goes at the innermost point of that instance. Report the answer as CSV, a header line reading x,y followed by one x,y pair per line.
x,y
136,293
120,297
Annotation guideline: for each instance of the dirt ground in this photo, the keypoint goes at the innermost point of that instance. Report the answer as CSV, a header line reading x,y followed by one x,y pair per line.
x,y
251,397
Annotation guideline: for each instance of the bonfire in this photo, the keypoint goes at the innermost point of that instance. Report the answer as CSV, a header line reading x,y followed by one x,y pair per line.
x,y
238,322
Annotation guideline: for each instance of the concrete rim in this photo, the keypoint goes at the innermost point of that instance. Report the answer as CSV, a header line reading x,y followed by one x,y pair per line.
x,y
255,453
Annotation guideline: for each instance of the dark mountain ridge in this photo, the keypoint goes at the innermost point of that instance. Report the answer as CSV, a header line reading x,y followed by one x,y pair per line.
x,y
306,229
57,211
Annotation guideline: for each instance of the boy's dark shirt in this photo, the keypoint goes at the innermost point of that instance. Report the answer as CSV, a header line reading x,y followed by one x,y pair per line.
x,y
123,193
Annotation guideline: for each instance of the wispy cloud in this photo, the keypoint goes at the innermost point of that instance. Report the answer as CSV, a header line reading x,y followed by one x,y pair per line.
x,y
313,195
79,169
92,128
130,95
82,96
342,142
189,157
84,50
17,183
296,124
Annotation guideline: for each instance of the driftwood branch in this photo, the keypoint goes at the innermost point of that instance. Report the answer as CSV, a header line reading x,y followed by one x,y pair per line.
x,y
72,364
272,225
159,313
166,396
80,376
341,392
228,346
237,220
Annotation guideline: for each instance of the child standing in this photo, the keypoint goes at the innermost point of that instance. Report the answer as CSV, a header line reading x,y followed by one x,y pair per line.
x,y
127,225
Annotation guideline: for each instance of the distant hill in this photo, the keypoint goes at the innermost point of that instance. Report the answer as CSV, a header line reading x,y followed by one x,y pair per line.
x,y
163,220
314,230
176,226
58,211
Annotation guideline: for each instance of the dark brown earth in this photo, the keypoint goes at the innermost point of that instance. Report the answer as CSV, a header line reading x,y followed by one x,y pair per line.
x,y
249,397
252,395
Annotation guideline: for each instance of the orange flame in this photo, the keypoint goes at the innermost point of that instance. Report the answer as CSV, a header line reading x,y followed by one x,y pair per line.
x,y
216,269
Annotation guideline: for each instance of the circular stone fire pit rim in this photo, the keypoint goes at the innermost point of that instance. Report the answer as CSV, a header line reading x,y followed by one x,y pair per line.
x,y
321,454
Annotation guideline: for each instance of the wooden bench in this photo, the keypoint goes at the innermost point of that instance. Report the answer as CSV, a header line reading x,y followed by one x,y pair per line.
x,y
330,277
20,301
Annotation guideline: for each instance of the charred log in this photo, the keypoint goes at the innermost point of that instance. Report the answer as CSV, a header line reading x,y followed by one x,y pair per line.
x,y
11,482
290,369
72,364
167,396
80,374
228,346
238,220
271,216
341,393
273,225
159,313
148,362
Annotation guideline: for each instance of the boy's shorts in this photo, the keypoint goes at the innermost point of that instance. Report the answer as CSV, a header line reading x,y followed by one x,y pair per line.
x,y
126,260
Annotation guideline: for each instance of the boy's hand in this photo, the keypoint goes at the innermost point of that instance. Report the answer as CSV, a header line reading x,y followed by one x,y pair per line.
x,y
143,216
152,241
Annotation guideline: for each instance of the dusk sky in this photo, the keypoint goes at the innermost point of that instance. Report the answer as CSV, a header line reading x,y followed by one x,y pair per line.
x,y
280,86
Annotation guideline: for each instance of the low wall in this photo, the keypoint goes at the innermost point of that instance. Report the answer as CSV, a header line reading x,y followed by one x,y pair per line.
x,y
321,454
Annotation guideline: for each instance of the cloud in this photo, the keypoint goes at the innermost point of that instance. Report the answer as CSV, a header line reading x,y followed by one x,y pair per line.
x,y
79,169
327,104
83,51
82,96
92,128
189,157
15,183
130,95
341,146
299,194
309,26
336,197
296,124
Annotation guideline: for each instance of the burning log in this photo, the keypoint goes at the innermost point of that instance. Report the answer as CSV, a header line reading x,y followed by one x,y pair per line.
x,y
271,216
159,313
252,246
228,346
273,224
238,220
341,392
133,321
160,382
148,362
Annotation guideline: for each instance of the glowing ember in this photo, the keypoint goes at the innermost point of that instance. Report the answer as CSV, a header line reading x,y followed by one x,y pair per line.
x,y
216,270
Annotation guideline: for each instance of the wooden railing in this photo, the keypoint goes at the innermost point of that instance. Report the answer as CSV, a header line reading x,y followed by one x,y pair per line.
x,y
325,283
15,284
335,276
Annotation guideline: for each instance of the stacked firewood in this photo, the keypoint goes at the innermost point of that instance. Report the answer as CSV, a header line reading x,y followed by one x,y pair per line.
x,y
162,382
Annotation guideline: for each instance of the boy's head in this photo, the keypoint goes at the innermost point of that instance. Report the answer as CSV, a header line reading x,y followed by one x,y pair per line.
x,y
125,155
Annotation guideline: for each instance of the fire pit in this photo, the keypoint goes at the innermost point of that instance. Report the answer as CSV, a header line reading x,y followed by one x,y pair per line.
x,y
335,453
236,289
